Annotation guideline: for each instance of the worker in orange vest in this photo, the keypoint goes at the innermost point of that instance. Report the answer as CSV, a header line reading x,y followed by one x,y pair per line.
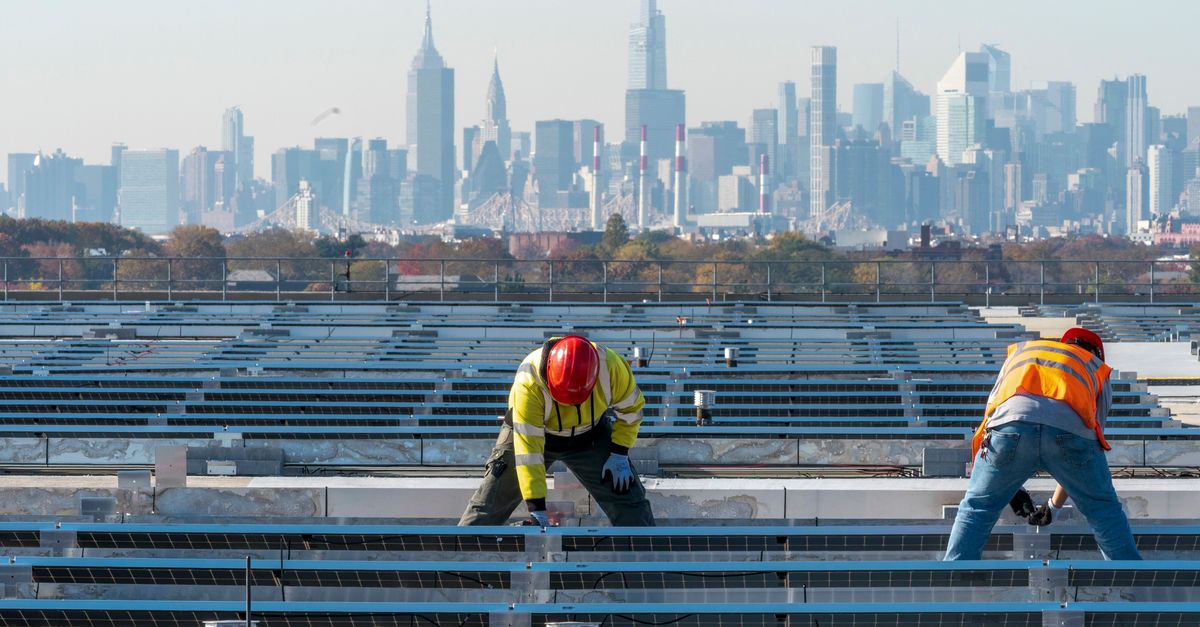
x,y
1046,412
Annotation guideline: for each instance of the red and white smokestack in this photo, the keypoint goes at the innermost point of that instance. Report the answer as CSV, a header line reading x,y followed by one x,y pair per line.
x,y
643,184
597,181
681,181
764,190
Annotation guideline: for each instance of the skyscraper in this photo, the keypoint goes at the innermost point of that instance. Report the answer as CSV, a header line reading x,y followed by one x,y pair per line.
x,y
431,130
95,193
495,122
764,130
1193,126
868,106
1160,165
289,166
648,102
999,68
962,106
49,187
554,161
149,192
1051,105
1111,102
1137,131
902,103
239,147
789,131
199,182
648,49
1137,196
999,78
19,163
822,130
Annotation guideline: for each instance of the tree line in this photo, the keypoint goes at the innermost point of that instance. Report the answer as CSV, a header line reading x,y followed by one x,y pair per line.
x,y
657,261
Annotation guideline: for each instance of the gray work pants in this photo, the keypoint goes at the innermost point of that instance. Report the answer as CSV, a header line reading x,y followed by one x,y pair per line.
x,y
500,494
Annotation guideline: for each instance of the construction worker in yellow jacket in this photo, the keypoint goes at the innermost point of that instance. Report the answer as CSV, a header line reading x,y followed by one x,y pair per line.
x,y
558,411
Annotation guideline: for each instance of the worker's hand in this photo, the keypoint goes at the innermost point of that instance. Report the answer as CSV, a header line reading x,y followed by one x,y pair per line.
x,y
540,518
1022,504
1044,515
617,471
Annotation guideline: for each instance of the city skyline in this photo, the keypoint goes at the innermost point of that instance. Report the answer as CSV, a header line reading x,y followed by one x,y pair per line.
x,y
137,81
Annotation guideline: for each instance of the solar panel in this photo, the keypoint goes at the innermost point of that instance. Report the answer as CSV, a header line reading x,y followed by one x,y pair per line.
x,y
176,540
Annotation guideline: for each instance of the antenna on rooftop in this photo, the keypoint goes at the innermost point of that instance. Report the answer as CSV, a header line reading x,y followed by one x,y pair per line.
x,y
897,44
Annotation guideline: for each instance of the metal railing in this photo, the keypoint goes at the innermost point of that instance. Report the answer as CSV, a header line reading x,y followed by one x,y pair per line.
x,y
271,278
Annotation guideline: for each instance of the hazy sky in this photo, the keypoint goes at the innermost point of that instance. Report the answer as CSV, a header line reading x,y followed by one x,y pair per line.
x,y
81,74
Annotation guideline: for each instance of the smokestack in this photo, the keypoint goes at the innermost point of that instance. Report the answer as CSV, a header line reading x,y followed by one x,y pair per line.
x,y
597,180
764,190
643,193
681,179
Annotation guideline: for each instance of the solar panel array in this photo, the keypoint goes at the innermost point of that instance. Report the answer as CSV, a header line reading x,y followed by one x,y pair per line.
x,y
1129,322
301,375
297,377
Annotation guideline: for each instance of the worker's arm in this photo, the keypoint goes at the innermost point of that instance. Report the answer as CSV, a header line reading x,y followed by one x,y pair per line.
x,y
627,403
529,435
1059,498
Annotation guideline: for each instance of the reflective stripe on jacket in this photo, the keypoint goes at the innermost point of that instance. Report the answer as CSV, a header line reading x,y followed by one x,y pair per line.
x,y
535,414
1050,369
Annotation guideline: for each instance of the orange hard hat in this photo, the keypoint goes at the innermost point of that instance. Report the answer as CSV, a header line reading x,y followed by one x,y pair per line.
x,y
571,370
1083,336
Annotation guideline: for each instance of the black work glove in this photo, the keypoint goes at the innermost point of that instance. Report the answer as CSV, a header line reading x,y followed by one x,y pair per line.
x,y
1022,504
1043,516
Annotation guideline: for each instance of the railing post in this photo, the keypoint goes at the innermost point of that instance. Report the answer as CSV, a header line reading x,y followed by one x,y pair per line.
x,y
332,281
1151,280
932,281
987,285
249,588
387,280
278,279
551,286
6,280
496,281
714,283
822,282
115,275
1097,280
660,281
1042,297
170,278
60,280
878,267
604,277
441,279
768,281
224,280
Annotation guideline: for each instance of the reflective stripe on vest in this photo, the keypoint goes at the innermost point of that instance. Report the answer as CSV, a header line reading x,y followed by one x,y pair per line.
x,y
1052,370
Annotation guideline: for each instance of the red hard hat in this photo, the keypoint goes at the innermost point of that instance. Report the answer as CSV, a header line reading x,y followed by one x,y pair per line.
x,y
571,370
1083,335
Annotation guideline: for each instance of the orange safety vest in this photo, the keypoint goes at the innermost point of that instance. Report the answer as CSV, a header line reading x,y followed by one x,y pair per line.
x,y
1054,370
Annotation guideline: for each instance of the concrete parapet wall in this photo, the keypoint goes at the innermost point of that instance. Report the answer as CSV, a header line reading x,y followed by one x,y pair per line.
x,y
444,498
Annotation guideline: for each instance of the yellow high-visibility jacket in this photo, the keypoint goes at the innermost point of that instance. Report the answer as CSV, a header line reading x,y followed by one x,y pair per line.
x,y
535,414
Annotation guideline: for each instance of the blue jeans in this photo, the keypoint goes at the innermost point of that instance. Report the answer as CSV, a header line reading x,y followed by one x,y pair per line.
x,y
1013,453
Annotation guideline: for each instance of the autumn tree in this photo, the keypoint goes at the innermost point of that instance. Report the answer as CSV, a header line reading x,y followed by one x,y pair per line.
x,y
51,258
264,249
616,233
140,270
198,256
